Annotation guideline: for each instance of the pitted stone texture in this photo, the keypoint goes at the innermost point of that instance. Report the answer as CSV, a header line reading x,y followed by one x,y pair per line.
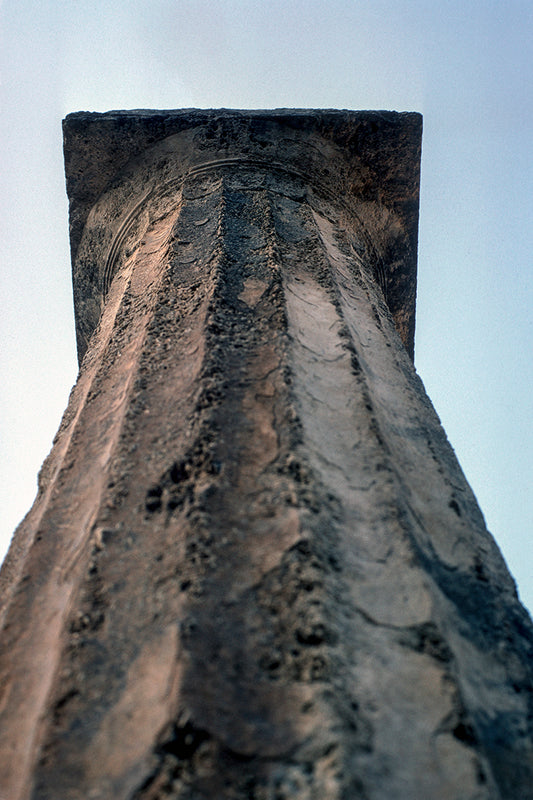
x,y
254,569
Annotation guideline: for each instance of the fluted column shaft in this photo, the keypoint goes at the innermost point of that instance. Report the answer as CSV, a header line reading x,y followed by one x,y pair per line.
x,y
257,570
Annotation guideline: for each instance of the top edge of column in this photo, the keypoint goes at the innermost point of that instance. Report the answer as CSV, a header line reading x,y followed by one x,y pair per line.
x,y
98,144
128,132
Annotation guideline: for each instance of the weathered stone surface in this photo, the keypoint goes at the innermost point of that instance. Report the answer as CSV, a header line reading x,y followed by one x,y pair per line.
x,y
367,161
254,569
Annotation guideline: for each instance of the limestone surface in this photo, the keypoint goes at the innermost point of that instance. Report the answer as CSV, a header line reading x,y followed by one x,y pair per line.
x,y
254,569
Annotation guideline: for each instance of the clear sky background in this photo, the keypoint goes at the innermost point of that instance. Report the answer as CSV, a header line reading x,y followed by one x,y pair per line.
x,y
467,66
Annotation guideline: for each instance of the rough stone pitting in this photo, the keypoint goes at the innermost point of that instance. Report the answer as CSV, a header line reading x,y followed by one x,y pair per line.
x,y
254,568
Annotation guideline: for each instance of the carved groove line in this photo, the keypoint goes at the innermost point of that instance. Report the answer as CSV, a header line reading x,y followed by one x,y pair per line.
x,y
118,240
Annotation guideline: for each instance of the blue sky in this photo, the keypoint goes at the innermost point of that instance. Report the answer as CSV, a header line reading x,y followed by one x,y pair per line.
x,y
467,66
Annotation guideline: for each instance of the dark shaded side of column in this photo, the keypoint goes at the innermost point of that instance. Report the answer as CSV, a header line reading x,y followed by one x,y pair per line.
x,y
254,569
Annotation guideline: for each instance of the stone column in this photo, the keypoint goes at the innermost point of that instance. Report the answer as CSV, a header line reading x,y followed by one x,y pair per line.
x,y
254,569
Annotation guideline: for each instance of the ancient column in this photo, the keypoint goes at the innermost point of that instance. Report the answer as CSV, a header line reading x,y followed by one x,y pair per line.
x,y
254,569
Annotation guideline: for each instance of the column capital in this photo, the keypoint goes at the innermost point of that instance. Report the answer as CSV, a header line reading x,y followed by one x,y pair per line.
x,y
367,162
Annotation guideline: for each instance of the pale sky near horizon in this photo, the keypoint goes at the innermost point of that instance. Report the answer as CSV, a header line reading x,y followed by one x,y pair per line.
x,y
467,66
